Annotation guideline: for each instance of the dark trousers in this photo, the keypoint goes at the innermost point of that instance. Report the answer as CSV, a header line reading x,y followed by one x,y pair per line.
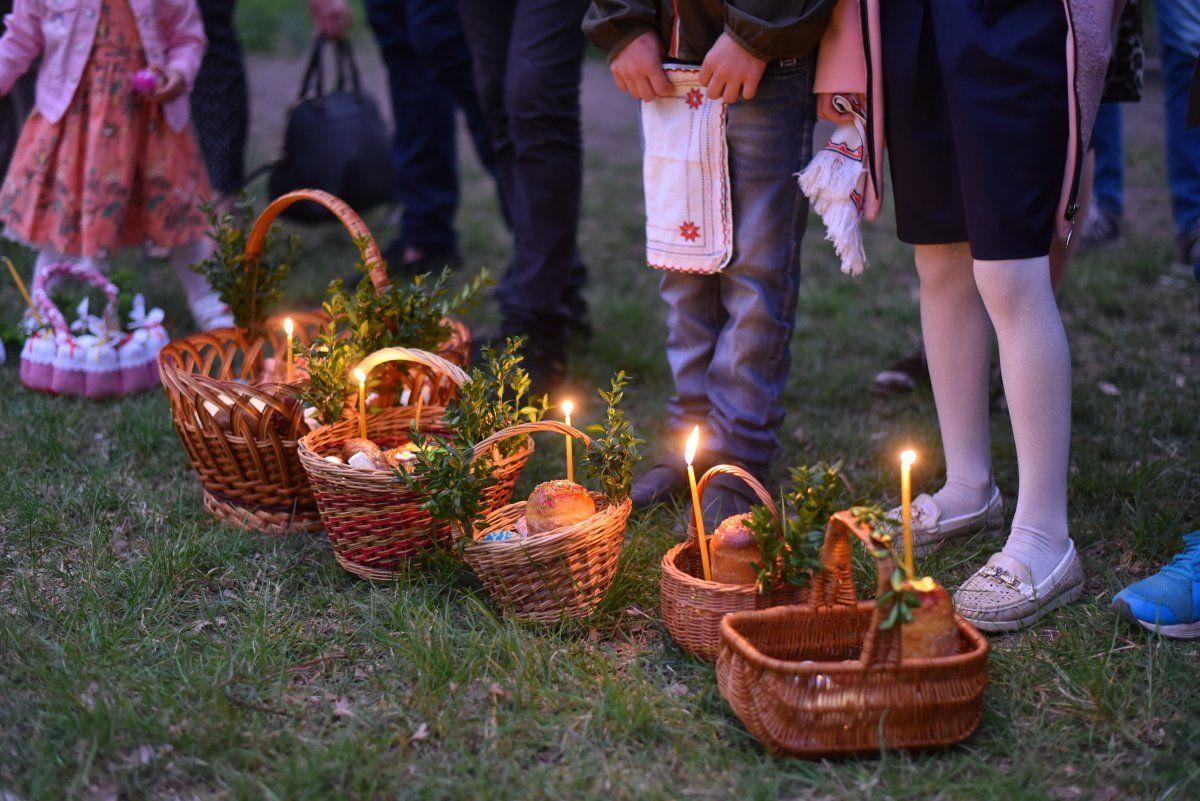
x,y
220,102
429,72
528,62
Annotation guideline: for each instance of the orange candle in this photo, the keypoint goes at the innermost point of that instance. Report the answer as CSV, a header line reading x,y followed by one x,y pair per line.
x,y
689,455
906,462
289,328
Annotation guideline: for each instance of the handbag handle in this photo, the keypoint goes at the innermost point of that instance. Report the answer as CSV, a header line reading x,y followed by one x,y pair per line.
x,y
834,584
371,255
344,64
525,429
78,271
314,72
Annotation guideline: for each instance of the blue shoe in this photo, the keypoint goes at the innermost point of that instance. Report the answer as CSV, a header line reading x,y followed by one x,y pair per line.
x,y
1169,601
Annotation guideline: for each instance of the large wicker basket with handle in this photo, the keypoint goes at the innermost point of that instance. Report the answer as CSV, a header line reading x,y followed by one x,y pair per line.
x,y
239,435
823,679
555,575
373,520
693,607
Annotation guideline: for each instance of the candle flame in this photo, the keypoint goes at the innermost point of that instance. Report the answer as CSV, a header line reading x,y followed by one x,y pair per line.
x,y
568,407
908,458
693,444
288,326
359,375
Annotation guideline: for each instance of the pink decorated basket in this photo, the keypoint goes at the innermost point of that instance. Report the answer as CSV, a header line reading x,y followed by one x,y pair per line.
x,y
93,358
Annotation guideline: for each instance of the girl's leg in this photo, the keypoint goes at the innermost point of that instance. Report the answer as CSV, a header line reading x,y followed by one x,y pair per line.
x,y
1036,366
958,346
206,306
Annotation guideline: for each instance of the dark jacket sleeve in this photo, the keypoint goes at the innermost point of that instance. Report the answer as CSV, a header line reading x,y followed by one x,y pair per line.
x,y
612,24
771,29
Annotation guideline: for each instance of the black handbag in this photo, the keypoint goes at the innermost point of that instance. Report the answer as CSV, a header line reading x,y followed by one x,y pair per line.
x,y
335,141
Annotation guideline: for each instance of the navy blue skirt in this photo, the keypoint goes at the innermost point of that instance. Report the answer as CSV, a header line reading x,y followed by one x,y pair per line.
x,y
976,121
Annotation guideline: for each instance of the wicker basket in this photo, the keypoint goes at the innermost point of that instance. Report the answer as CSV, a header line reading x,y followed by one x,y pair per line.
x,y
553,576
248,466
824,680
693,607
372,520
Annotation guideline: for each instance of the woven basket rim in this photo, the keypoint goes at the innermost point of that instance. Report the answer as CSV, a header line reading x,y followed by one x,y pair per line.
x,y
477,547
733,639
670,566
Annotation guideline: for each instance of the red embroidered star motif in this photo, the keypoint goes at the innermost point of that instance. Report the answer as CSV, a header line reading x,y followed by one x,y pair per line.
x,y
694,99
689,231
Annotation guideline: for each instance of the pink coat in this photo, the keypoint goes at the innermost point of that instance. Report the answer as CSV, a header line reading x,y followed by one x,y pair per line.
x,y
841,67
62,32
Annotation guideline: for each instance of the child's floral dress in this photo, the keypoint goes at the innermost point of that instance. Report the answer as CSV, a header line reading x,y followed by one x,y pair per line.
x,y
111,173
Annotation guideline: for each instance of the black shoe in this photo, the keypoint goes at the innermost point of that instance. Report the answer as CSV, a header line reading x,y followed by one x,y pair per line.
x,y
544,352
664,481
1187,250
725,497
431,260
902,376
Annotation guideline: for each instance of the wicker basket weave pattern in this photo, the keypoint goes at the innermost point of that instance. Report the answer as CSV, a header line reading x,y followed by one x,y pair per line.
x,y
373,520
824,680
248,466
556,575
692,607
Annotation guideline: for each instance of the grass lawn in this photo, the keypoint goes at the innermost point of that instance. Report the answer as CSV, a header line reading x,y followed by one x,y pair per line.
x,y
147,652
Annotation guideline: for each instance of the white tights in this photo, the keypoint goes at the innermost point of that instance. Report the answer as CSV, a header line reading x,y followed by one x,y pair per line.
x,y
959,297
181,258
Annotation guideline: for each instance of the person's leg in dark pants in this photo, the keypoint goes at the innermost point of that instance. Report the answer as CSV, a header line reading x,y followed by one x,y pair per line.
x,y
529,56
220,103
424,148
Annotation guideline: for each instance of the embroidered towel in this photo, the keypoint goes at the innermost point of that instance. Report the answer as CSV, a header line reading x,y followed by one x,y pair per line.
x,y
689,216
834,182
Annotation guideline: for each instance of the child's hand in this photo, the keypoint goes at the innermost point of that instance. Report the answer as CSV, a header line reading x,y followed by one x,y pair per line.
x,y
170,87
638,70
729,71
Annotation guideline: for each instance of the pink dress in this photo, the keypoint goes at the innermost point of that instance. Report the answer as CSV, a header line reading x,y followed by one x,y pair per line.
x,y
111,173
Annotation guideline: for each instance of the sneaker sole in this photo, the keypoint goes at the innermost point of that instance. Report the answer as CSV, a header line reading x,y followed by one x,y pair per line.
x,y
1067,596
1175,631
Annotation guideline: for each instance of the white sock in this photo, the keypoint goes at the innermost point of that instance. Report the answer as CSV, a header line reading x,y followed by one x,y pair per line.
x,y
958,347
1036,365
182,258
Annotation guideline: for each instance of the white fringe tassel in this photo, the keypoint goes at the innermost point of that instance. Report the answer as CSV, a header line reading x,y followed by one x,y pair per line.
x,y
827,181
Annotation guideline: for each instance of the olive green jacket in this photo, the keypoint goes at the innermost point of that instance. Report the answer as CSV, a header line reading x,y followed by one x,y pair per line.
x,y
768,29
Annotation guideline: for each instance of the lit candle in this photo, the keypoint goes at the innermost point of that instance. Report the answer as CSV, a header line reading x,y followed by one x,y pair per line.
x,y
289,328
906,462
567,408
689,455
361,377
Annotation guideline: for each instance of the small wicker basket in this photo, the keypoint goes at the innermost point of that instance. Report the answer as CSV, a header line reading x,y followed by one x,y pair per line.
x,y
557,575
693,607
246,460
373,521
824,680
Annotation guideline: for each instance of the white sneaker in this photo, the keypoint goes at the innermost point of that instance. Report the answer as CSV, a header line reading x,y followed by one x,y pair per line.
x,y
931,531
210,313
1001,596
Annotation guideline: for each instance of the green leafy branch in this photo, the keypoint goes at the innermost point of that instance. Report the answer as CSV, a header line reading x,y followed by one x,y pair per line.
x,y
250,287
614,451
899,599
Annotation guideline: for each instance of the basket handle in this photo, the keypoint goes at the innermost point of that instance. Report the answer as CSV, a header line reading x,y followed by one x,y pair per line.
x,y
834,584
434,362
737,472
525,429
79,271
372,258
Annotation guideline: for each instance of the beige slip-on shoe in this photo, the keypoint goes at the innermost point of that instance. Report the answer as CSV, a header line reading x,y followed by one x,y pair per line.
x,y
1001,596
930,531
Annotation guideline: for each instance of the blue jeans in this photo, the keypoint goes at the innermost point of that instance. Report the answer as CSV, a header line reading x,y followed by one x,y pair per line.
x,y
429,75
729,335
1179,41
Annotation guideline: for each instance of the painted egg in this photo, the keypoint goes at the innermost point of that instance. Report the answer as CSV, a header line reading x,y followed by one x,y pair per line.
x,y
503,535
145,81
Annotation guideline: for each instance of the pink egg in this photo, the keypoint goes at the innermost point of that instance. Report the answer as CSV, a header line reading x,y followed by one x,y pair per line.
x,y
145,81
